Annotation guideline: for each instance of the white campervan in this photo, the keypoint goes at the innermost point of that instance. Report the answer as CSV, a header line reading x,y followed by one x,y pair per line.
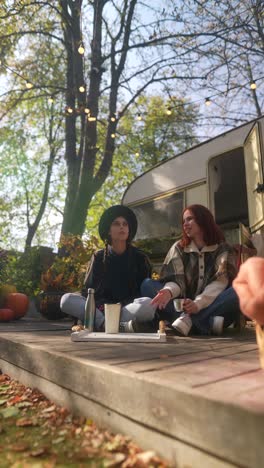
x,y
224,173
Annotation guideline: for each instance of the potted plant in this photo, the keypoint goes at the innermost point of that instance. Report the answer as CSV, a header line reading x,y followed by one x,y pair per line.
x,y
66,274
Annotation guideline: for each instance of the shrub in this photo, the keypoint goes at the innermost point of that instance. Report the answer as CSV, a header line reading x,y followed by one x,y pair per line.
x,y
68,269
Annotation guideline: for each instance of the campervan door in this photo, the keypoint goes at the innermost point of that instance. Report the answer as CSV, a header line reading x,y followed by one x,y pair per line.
x,y
235,186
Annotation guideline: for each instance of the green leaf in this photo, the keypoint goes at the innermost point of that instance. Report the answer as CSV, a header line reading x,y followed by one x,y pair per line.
x,y
24,404
9,412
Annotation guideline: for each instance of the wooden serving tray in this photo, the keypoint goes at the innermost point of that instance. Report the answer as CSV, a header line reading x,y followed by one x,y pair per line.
x,y
85,335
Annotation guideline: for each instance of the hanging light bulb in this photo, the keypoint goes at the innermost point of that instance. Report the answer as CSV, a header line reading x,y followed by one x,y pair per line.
x,y
253,85
139,117
208,101
81,89
113,118
50,100
86,110
169,112
81,49
137,155
91,119
69,110
29,85
113,135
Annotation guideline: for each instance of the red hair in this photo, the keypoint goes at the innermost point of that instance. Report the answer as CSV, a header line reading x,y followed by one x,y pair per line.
x,y
212,234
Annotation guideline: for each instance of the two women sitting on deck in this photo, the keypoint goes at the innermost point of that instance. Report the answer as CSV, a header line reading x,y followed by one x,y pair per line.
x,y
199,268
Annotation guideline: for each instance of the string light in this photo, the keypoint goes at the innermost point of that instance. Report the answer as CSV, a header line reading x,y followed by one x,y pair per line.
x,y
113,135
137,155
252,84
91,119
29,85
81,49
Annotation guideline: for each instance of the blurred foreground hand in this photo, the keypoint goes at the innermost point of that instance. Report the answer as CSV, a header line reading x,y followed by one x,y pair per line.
x,y
249,286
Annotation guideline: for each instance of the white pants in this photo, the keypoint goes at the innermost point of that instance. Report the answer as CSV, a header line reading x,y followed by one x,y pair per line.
x,y
141,309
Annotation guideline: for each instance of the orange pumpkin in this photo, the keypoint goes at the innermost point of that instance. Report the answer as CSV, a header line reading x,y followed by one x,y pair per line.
x,y
5,289
18,302
6,315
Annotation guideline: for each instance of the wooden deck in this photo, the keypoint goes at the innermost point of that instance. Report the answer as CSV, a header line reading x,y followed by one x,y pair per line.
x,y
199,402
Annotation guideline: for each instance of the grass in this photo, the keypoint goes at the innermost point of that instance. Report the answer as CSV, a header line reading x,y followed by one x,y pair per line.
x,y
36,433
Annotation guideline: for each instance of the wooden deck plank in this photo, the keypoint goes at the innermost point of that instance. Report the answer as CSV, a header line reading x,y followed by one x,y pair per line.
x,y
211,388
203,372
165,361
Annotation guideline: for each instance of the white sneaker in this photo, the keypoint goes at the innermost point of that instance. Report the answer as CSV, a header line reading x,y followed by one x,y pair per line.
x,y
183,324
126,327
218,325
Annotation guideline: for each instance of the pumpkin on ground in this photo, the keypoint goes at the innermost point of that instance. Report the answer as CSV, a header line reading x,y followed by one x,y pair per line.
x,y
6,289
17,302
6,315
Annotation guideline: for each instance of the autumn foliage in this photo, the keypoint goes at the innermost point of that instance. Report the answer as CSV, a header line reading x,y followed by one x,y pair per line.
x,y
68,270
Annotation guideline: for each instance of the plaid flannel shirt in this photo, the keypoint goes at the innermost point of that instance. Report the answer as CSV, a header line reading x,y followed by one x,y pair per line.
x,y
200,275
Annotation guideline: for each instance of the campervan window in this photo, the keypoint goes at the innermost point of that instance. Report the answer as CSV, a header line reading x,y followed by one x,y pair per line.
x,y
160,217
227,185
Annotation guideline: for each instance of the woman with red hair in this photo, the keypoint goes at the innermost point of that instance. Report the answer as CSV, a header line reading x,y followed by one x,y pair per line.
x,y
200,269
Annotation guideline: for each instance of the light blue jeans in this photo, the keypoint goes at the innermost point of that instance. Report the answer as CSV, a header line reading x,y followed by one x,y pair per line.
x,y
74,304
225,305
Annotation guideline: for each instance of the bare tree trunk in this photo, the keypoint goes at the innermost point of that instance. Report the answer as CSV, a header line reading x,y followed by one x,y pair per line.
x,y
32,227
83,180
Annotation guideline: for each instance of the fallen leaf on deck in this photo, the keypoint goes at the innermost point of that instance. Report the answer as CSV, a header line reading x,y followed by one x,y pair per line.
x,y
24,404
19,447
39,452
9,412
12,401
146,457
4,387
4,378
23,422
115,460
49,410
58,440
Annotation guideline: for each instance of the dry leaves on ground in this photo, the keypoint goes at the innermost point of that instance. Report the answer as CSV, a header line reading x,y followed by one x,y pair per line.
x,y
36,432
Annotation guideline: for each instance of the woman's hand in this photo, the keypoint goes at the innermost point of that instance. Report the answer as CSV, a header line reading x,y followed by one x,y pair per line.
x,y
162,298
190,306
